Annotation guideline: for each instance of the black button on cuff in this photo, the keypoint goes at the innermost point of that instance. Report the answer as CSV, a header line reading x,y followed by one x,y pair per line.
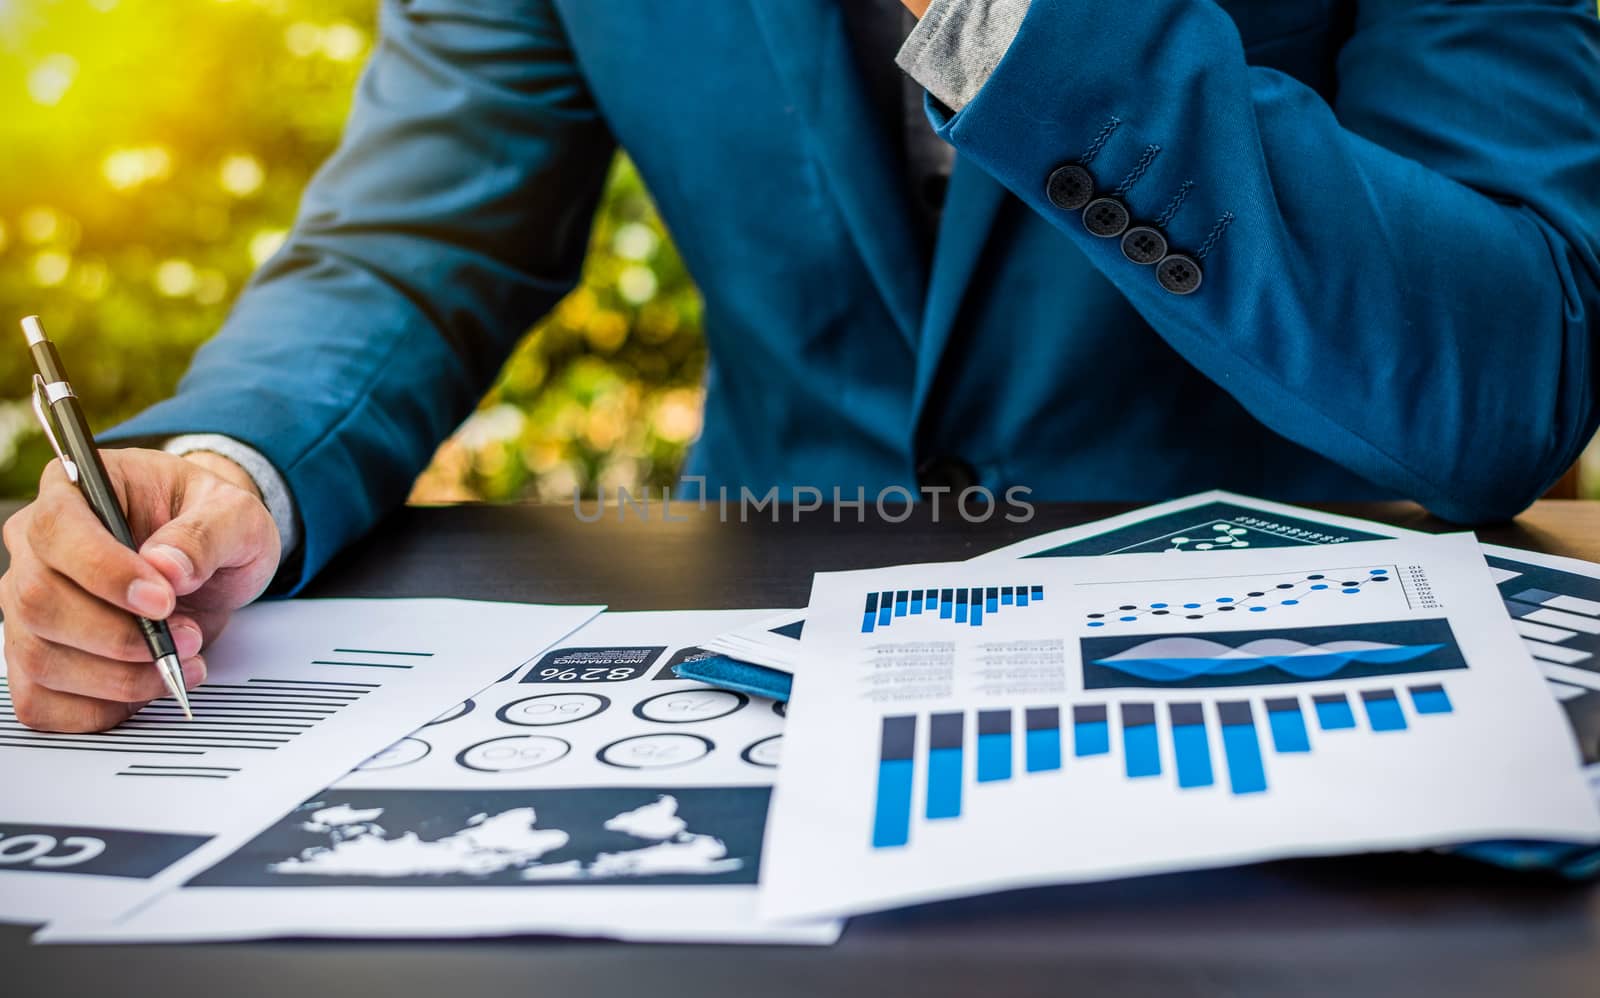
x,y
1106,218
1179,274
1144,245
1070,187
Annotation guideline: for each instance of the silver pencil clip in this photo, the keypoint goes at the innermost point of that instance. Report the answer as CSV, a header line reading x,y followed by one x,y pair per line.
x,y
48,424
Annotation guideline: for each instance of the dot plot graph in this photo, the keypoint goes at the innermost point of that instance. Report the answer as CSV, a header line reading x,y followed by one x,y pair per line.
x,y
1282,594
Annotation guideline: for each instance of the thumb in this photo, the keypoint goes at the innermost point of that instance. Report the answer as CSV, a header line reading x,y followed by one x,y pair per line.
x,y
215,531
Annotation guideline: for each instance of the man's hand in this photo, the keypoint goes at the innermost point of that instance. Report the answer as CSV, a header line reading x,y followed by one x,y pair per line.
x,y
917,7
75,659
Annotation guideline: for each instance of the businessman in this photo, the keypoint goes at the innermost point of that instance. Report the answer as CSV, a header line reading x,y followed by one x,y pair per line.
x,y
1331,249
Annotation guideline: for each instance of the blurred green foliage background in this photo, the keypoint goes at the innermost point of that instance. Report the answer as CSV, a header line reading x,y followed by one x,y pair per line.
x,y
153,154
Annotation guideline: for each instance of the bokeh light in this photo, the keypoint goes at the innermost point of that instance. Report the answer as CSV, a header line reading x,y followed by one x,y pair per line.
x,y
139,199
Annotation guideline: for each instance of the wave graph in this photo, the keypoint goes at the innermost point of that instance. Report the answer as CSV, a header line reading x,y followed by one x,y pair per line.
x,y
1250,658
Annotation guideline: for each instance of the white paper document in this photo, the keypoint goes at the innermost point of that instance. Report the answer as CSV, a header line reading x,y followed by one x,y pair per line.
x,y
592,793
969,727
1553,601
773,641
298,693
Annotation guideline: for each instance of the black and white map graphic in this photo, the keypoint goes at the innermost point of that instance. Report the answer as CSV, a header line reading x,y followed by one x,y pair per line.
x,y
452,838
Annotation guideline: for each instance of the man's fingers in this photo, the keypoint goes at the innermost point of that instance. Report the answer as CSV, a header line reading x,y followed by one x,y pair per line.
x,y
46,710
61,669
65,535
224,528
53,607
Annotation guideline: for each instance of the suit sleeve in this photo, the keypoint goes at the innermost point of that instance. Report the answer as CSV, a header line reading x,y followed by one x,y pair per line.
x,y
454,213
1404,278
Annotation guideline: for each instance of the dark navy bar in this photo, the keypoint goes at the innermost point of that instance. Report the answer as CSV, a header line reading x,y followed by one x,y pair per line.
x,y
1140,747
944,765
994,745
891,823
1189,746
1240,744
1043,738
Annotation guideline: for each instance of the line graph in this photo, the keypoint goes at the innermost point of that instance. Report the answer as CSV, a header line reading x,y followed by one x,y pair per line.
x,y
1197,599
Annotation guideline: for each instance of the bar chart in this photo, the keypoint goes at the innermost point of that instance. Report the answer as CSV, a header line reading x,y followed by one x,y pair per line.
x,y
966,606
1222,743
1558,616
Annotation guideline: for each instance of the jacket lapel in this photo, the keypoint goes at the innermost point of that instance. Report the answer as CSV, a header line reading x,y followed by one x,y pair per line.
x,y
971,206
810,49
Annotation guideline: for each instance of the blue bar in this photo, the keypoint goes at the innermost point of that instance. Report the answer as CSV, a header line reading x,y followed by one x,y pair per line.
x,y
1007,596
1141,751
1022,595
1239,744
901,598
933,600
994,758
891,822
1189,744
1383,710
994,745
1431,699
885,609
944,766
961,606
916,602
1333,711
1288,725
946,604
1091,733
991,599
1043,740
1038,594
977,607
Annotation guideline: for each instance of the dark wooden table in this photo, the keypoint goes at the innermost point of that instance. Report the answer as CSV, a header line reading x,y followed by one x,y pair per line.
x,y
1366,926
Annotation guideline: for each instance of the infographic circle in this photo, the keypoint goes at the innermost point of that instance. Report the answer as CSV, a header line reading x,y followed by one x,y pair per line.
x,y
402,753
511,753
689,706
657,751
461,709
549,709
765,753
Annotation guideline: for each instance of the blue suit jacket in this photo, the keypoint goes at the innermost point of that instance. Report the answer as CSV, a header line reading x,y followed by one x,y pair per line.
x,y
1404,303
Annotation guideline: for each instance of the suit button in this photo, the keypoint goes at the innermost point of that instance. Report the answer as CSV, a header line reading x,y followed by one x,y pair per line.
x,y
1144,245
1070,187
949,472
1179,274
1106,218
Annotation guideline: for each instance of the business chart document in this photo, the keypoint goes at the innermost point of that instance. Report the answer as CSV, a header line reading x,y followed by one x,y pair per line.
x,y
298,693
592,793
773,641
1553,601
998,723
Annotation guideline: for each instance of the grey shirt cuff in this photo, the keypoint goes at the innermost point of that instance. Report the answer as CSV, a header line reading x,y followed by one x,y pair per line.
x,y
274,490
954,49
